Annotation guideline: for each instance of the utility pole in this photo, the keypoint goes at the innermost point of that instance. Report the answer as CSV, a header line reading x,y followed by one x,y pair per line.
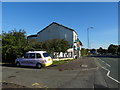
x,y
88,36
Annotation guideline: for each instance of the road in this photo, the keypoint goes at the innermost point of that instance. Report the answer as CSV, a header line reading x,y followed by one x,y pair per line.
x,y
54,77
110,64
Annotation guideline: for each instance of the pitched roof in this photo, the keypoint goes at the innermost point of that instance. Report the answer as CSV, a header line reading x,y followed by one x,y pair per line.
x,y
32,36
58,25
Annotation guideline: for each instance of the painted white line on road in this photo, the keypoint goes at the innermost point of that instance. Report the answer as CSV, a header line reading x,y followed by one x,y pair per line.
x,y
108,65
105,63
102,61
108,74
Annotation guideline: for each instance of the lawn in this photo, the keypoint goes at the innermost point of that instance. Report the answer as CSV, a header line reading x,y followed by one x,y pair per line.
x,y
63,61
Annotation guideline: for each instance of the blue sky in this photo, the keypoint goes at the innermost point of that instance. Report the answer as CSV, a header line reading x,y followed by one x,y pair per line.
x,y
34,16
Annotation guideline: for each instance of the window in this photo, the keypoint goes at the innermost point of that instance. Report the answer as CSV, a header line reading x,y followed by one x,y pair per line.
x,y
38,55
32,55
46,54
26,55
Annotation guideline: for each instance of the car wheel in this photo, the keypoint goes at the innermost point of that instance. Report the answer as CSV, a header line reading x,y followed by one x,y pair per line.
x,y
39,66
18,64
75,57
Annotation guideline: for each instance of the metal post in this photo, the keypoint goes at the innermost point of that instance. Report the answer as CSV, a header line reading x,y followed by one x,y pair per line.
x,y
73,50
88,36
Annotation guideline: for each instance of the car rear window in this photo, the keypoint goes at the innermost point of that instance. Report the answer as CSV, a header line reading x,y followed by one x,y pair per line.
x,y
46,54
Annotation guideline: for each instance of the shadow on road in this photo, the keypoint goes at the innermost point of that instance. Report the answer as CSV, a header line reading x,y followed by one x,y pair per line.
x,y
8,65
100,86
14,66
104,56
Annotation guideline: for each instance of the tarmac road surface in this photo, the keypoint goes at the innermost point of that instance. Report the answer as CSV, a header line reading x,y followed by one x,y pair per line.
x,y
82,73
110,64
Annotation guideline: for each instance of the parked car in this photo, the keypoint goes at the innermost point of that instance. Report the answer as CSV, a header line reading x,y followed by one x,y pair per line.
x,y
34,58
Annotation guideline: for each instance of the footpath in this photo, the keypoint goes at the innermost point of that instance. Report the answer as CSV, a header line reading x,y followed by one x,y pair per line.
x,y
83,63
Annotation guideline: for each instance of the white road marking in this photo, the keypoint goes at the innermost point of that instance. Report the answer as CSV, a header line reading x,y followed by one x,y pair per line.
x,y
102,61
105,63
108,65
108,74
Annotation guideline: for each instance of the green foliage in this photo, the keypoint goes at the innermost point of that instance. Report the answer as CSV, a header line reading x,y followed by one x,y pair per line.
x,y
113,49
118,51
55,45
62,61
64,45
0,41
15,45
34,45
102,51
84,52
59,62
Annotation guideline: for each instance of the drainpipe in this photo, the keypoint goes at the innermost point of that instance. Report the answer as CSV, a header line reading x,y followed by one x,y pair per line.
x,y
73,46
73,51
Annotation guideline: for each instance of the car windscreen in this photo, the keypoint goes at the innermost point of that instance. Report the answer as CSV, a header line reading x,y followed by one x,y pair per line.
x,y
46,54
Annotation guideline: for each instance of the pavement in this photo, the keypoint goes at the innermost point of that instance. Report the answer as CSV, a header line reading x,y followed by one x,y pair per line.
x,y
78,64
85,72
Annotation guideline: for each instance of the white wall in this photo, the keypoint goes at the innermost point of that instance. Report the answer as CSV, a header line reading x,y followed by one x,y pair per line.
x,y
56,31
74,36
51,32
66,34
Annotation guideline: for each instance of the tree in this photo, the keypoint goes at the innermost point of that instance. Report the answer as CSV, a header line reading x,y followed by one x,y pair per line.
x,y
13,44
113,49
84,52
34,45
118,51
100,50
93,51
55,45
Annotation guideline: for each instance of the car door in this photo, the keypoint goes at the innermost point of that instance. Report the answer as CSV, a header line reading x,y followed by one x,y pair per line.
x,y
24,61
31,59
39,58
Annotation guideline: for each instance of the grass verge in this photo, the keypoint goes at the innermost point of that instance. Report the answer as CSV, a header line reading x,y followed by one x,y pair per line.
x,y
62,61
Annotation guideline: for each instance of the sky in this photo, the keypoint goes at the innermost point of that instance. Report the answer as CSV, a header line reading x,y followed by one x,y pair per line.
x,y
34,16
